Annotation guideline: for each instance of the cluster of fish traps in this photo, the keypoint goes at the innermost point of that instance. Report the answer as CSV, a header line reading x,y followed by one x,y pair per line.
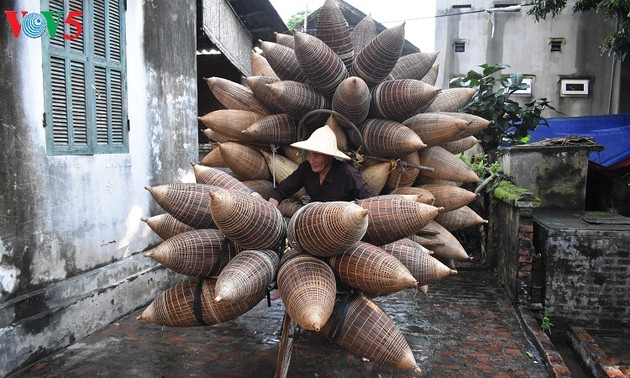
x,y
328,259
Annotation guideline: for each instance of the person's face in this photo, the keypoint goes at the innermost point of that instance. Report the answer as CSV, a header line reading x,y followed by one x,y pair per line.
x,y
319,162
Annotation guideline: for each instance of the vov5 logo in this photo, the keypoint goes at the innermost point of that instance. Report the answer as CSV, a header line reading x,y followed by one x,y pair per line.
x,y
33,25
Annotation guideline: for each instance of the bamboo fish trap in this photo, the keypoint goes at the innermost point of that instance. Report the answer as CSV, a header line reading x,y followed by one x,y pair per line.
x,y
450,197
175,307
248,273
360,326
391,218
250,221
307,286
369,268
187,202
199,253
216,177
166,226
424,268
327,228
321,65
462,217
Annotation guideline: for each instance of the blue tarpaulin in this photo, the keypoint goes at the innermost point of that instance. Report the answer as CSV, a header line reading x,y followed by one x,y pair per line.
x,y
610,131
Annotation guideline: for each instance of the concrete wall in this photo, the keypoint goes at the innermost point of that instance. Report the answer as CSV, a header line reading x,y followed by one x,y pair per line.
x,y
555,174
514,39
70,229
587,267
510,248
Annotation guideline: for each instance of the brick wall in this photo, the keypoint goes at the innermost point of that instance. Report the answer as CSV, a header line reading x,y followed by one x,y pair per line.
x,y
511,250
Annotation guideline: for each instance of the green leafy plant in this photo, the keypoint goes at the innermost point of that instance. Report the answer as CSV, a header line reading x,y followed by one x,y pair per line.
x,y
546,324
511,122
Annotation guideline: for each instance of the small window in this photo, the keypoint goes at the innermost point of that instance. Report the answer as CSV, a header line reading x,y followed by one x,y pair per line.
x,y
459,46
462,6
556,44
504,5
574,87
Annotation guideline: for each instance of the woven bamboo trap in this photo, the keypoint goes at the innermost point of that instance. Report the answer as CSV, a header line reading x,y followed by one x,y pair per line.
x,y
376,175
462,217
297,99
327,228
476,124
387,139
262,187
424,195
391,218
213,136
413,66
216,177
450,100
289,207
365,330
460,145
352,98
400,99
248,220
175,307
199,253
321,65
404,174
258,86
261,67
187,202
245,162
450,197
279,166
283,61
235,96
166,226
273,129
334,31
213,158
369,268
431,76
363,33
445,244
248,273
377,59
231,123
436,128
307,286
446,166
424,268
284,40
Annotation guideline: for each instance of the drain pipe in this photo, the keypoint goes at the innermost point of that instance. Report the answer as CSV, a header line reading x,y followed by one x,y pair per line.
x,y
612,74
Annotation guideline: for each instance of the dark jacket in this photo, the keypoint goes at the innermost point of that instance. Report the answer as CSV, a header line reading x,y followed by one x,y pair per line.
x,y
342,183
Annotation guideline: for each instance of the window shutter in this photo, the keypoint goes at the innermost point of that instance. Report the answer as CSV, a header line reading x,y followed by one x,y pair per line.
x,y
85,80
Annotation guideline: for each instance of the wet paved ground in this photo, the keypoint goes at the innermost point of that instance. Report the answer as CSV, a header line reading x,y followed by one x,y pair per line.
x,y
465,328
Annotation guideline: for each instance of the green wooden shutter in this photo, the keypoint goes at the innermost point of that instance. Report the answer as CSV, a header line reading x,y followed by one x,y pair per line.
x,y
85,83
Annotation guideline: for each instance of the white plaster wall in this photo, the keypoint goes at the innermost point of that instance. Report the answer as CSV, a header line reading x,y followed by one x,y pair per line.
x,y
524,45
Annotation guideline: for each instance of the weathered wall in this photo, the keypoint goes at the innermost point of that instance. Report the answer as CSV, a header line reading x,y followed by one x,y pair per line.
x,y
514,39
510,247
556,175
587,268
70,229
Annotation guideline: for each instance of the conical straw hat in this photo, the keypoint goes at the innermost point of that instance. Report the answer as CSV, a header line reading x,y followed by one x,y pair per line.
x,y
323,141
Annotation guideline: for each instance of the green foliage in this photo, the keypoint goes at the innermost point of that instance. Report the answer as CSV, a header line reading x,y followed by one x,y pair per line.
x,y
616,44
480,163
545,323
296,20
511,122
